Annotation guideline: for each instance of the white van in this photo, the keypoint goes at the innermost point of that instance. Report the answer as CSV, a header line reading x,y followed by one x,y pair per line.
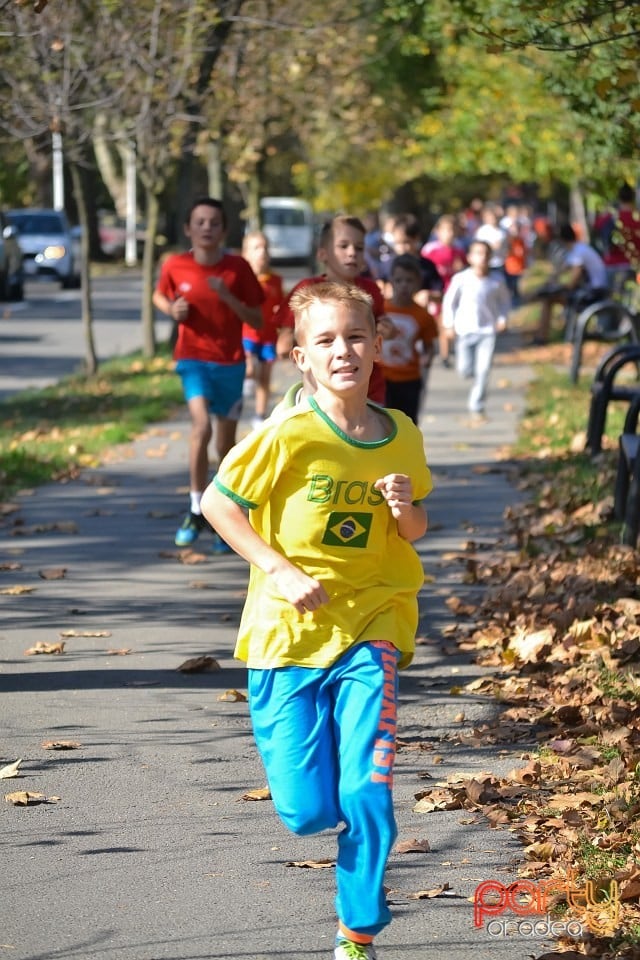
x,y
288,225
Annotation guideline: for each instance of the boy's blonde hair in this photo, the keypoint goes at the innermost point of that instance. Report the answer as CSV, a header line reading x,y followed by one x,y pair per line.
x,y
328,291
252,235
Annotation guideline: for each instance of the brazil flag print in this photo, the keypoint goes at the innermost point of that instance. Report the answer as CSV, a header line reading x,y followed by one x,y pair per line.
x,y
347,530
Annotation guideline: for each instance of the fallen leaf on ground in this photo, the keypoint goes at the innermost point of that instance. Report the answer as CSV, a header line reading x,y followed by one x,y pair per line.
x,y
311,864
232,695
119,652
85,633
413,846
567,955
42,647
10,770
53,573
63,526
60,744
157,452
199,665
429,894
11,565
22,798
17,590
262,793
184,556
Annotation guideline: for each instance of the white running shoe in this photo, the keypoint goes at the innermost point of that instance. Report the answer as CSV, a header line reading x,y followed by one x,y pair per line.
x,y
348,950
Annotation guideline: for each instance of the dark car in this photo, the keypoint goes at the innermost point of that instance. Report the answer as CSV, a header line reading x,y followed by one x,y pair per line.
x,y
11,275
47,244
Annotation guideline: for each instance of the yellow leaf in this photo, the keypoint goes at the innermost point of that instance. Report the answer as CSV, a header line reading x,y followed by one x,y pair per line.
x,y
232,695
10,770
262,793
41,647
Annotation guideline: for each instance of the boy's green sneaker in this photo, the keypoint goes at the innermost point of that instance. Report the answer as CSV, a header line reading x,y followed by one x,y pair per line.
x,y
220,546
190,529
348,950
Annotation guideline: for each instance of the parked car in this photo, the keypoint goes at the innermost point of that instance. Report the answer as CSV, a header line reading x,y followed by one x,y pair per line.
x,y
11,275
113,234
47,244
288,224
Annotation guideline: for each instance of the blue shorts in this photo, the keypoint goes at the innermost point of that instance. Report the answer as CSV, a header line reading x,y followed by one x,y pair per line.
x,y
264,352
219,383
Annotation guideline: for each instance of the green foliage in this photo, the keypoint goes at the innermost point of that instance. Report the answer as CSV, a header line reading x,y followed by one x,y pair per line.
x,y
585,51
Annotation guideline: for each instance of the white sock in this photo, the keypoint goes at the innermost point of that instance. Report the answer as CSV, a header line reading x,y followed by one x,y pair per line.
x,y
195,496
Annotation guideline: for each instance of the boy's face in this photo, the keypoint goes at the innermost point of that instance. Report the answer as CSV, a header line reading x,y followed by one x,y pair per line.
x,y
445,234
478,257
337,344
405,284
256,250
206,228
343,257
403,243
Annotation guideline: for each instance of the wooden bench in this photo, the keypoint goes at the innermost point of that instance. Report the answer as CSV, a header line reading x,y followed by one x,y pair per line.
x,y
607,321
626,504
606,388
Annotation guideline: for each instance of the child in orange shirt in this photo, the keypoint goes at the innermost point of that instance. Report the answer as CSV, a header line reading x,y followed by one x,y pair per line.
x,y
407,354
260,345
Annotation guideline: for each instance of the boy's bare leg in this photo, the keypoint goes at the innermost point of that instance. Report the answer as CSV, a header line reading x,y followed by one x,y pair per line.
x,y
201,432
225,436
263,388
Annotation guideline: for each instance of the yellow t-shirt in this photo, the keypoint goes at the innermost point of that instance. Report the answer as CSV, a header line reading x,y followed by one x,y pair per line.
x,y
309,489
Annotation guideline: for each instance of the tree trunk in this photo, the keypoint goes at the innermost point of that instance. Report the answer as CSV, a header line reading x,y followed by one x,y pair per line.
x,y
577,211
148,264
112,178
90,356
214,169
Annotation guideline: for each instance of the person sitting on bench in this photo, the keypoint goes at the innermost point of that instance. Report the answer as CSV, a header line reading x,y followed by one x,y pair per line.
x,y
587,281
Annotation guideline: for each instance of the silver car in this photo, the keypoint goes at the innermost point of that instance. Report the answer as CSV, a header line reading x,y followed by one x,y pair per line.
x,y
47,244
11,276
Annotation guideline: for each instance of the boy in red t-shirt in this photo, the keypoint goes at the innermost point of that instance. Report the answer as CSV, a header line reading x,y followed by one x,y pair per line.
x,y
341,252
407,354
260,345
209,294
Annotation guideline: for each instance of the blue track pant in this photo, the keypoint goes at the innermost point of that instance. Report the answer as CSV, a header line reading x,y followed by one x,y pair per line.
x,y
327,740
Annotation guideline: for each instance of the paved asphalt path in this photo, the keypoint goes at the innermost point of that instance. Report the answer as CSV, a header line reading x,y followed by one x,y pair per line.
x,y
150,853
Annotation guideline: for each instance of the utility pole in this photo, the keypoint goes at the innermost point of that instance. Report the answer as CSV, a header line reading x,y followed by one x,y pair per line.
x,y
56,163
131,217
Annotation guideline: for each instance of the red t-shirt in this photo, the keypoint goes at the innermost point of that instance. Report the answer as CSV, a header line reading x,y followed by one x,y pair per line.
x,y
271,284
211,331
284,318
448,259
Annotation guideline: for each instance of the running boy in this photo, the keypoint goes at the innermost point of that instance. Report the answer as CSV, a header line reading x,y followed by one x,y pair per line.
x,y
408,352
260,345
341,252
209,294
333,487
475,310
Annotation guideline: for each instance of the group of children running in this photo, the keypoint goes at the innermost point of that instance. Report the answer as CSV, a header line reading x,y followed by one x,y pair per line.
x,y
324,499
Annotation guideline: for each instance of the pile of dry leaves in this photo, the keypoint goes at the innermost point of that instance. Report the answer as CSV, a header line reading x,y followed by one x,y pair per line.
x,y
559,628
